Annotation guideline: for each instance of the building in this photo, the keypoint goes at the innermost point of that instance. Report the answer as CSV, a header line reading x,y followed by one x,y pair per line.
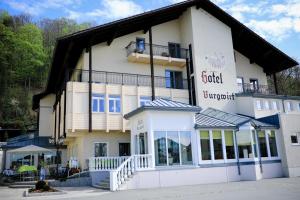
x,y
174,96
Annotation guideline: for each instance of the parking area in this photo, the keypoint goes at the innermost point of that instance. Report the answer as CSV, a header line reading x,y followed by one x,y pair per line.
x,y
275,189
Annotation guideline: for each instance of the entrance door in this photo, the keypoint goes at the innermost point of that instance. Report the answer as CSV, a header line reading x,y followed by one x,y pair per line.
x,y
141,143
124,149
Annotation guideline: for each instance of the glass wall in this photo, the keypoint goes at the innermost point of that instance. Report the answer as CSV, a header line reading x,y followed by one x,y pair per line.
x,y
243,138
272,144
160,148
205,145
172,148
262,144
186,147
229,144
218,146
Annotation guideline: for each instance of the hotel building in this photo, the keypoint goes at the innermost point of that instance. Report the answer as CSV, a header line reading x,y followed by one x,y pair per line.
x,y
173,96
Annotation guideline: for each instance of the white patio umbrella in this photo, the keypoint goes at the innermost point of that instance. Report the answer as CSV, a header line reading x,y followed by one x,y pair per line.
x,y
30,149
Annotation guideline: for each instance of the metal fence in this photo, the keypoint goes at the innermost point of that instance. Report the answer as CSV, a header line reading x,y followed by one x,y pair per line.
x,y
158,50
127,79
258,89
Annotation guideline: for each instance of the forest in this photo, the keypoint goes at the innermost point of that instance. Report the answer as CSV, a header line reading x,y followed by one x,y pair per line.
x,y
26,51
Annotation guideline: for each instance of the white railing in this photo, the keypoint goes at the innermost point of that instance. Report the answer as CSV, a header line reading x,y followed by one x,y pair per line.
x,y
106,163
127,168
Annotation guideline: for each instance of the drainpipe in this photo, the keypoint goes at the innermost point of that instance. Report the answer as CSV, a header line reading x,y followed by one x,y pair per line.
x,y
151,64
237,152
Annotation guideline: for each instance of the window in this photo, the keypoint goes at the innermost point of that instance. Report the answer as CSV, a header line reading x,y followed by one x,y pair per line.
x,y
98,103
240,84
172,148
289,106
275,105
244,144
267,106
254,84
186,147
254,143
144,100
140,45
299,106
114,104
229,144
258,105
141,144
295,138
174,79
262,144
100,149
205,145
174,50
160,148
218,147
272,144
124,149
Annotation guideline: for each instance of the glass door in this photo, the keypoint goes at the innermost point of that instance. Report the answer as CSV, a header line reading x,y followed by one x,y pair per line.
x,y
160,148
173,148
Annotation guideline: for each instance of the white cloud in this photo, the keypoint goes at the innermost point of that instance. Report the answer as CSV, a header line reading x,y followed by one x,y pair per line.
x,y
276,29
290,8
37,7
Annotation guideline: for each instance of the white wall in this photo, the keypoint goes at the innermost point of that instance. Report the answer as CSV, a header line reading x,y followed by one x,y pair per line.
x,y
291,158
46,116
247,70
213,52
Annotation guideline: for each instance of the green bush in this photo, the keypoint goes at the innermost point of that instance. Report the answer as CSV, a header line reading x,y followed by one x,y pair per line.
x,y
46,188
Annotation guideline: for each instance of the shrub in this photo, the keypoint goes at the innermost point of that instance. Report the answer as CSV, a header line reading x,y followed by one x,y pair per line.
x,y
40,185
46,188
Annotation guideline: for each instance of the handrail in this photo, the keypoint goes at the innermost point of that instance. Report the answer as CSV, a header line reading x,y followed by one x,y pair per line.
x,y
106,77
127,168
246,88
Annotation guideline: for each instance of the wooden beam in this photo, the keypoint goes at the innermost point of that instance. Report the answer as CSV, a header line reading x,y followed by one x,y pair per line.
x,y
151,64
90,89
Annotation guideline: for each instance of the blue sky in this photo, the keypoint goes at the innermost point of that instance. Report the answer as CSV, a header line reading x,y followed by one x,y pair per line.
x,y
278,21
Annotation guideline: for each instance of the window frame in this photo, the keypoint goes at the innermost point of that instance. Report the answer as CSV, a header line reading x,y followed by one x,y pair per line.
x,y
115,98
107,148
98,98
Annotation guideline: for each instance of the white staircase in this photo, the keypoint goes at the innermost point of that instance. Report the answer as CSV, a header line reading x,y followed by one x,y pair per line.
x,y
119,172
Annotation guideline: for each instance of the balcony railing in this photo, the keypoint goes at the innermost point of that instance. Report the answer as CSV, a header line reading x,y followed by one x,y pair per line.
x,y
158,50
248,88
127,79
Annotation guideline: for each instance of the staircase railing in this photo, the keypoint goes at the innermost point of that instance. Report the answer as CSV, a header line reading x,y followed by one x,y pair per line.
x,y
106,163
127,168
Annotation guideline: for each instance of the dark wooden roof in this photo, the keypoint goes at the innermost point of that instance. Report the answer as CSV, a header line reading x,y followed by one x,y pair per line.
x,y
69,48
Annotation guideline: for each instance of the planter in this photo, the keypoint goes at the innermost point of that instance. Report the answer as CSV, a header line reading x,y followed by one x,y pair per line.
x,y
38,194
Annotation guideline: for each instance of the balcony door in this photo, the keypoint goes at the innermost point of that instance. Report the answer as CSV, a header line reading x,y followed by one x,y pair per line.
x,y
174,50
140,45
253,84
174,79
240,84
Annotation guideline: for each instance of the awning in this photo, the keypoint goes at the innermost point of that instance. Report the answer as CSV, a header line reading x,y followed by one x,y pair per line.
x,y
30,149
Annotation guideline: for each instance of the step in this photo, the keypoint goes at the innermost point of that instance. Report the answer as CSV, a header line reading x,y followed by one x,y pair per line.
x,y
101,187
21,186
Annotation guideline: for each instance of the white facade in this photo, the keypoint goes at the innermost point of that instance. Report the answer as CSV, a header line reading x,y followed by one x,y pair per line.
x,y
120,83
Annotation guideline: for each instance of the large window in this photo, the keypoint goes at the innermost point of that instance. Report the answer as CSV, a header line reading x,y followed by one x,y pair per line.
x,y
218,147
244,144
205,145
172,148
174,50
229,144
100,149
114,104
98,103
262,144
174,79
254,143
272,144
160,148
